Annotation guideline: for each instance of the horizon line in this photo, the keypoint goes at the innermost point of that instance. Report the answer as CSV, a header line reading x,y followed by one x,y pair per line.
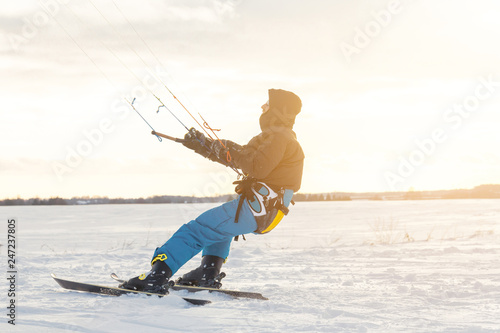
x,y
228,194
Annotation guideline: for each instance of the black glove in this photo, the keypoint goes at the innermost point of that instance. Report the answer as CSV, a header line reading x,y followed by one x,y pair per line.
x,y
206,147
198,142
219,151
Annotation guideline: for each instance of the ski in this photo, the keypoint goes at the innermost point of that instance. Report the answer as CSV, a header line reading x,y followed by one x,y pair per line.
x,y
116,278
112,291
234,293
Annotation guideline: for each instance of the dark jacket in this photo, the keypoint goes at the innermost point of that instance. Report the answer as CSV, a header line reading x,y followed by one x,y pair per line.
x,y
274,157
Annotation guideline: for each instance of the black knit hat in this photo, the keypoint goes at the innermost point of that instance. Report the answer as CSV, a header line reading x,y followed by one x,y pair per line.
x,y
287,101
283,107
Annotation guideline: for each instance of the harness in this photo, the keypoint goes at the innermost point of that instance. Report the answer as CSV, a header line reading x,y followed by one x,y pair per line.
x,y
267,206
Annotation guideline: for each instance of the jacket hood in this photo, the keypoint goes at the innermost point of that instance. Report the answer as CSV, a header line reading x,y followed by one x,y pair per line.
x,y
283,108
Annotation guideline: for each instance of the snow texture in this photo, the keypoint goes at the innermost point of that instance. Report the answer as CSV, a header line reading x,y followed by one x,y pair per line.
x,y
360,266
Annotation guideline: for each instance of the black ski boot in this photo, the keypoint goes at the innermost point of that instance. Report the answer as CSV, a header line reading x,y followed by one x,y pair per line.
x,y
154,281
207,275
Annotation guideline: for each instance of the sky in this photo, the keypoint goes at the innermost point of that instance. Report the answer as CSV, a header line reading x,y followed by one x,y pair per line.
x,y
397,95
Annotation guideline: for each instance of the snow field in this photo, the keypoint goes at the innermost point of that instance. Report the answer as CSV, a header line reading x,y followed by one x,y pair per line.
x,y
361,266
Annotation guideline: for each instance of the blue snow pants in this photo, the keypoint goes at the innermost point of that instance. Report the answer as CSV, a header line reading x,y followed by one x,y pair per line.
x,y
211,232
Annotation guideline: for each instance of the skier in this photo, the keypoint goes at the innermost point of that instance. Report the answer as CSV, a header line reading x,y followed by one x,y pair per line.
x,y
272,163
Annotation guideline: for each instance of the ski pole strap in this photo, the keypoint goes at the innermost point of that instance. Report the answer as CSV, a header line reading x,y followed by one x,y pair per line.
x,y
240,203
244,188
236,238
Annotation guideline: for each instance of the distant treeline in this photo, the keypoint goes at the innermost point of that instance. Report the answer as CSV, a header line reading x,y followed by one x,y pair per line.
x,y
106,200
489,191
154,200
321,197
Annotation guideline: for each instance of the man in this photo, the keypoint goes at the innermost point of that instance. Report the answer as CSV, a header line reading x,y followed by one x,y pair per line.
x,y
272,163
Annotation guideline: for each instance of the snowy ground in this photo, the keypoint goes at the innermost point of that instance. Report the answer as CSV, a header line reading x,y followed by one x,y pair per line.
x,y
416,266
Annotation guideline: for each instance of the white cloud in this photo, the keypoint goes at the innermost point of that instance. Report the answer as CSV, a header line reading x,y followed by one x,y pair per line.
x,y
224,55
